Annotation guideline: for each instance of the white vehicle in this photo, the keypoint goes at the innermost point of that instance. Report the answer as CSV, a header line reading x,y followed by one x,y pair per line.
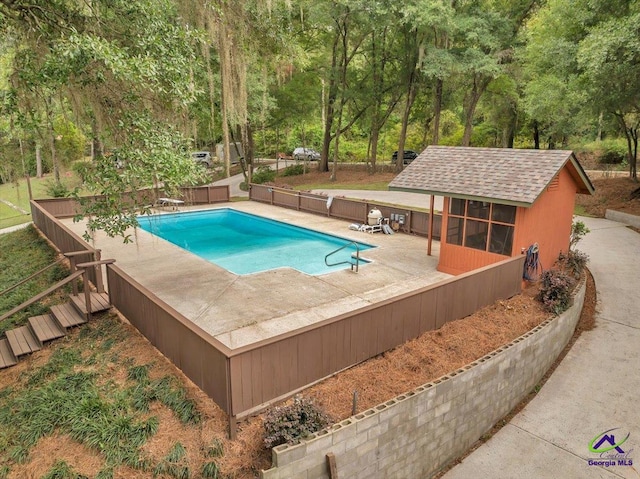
x,y
202,157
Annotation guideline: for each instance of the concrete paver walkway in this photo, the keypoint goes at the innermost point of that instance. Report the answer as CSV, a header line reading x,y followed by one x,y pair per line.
x,y
593,390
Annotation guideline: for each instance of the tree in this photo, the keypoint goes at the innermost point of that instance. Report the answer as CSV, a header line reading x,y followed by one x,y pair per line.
x,y
124,67
609,57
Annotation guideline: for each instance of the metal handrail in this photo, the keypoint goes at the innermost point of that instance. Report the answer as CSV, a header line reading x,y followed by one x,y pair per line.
x,y
346,262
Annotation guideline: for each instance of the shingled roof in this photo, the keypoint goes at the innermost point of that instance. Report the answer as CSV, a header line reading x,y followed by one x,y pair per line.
x,y
503,175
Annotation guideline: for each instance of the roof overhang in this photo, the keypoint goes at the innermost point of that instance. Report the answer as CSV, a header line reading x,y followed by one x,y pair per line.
x,y
585,187
464,197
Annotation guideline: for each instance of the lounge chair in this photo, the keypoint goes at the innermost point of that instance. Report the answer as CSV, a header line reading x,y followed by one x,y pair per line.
x,y
169,202
377,228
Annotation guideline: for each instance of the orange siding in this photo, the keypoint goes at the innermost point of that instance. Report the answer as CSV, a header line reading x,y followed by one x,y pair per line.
x,y
456,259
548,221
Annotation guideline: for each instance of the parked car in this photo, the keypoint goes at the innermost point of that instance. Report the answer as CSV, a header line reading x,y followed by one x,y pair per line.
x,y
305,154
202,157
408,157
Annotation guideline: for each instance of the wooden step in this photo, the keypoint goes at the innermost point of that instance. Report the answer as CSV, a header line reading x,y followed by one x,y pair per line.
x,y
99,302
23,341
67,315
46,328
7,358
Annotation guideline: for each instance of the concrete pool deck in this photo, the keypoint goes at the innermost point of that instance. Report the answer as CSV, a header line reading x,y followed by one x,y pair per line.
x,y
241,310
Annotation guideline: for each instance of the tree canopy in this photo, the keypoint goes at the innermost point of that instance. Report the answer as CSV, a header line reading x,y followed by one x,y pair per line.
x,y
151,80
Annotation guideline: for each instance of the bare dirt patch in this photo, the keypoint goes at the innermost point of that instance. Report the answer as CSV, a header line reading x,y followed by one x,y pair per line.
x,y
612,194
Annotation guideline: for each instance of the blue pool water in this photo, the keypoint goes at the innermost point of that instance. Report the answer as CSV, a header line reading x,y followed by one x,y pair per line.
x,y
243,243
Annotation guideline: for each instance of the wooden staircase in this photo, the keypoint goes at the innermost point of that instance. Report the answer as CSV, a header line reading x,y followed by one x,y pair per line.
x,y
47,327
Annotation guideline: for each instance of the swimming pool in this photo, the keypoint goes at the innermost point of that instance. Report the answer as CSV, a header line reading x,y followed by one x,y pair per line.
x,y
244,243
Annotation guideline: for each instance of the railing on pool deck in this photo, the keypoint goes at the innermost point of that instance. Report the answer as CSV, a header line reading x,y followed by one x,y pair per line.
x,y
357,257
248,379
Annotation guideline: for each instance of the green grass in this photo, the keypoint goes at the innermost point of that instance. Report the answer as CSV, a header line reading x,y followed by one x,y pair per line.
x,y
17,193
24,252
74,392
579,210
375,186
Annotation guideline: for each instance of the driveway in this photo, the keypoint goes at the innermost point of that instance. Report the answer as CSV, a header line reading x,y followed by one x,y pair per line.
x,y
594,390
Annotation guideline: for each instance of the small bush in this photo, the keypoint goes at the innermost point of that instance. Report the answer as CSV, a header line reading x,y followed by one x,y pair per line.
x,y
57,189
578,231
263,174
573,262
611,157
289,423
293,170
555,291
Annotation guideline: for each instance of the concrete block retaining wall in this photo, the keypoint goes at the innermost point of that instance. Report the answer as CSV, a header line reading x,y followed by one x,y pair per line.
x,y
417,433
620,217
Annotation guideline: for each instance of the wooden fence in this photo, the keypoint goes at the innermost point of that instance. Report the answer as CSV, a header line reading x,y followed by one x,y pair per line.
x,y
196,195
416,222
62,237
200,356
244,380
275,367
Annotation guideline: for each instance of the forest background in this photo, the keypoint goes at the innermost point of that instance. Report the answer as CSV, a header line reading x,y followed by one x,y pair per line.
x,y
84,82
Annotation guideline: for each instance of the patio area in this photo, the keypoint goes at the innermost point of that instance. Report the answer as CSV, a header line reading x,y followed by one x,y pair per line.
x,y
242,310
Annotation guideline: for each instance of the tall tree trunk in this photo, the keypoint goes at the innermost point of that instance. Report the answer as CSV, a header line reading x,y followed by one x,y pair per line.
x,y
38,161
411,96
323,164
536,135
508,132
437,111
344,61
631,133
479,85
226,141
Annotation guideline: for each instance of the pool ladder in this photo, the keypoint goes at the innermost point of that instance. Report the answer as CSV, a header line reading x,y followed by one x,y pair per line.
x,y
350,262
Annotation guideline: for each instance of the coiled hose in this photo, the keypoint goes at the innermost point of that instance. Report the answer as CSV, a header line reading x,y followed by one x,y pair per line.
x,y
532,266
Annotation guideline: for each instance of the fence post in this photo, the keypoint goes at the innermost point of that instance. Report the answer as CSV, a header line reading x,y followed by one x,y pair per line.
x,y
98,272
87,292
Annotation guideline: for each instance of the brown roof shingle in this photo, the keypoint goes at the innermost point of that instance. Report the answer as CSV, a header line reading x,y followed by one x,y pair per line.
x,y
506,175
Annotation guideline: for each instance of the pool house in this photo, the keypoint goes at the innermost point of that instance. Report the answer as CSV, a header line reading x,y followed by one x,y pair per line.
x,y
498,201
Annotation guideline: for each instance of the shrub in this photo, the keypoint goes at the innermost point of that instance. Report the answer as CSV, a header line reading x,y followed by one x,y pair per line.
x,y
289,423
555,291
611,157
57,189
578,231
263,174
293,170
573,262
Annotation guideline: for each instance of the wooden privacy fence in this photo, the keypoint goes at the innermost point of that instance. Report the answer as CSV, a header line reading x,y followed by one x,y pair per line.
x,y
244,380
273,368
196,195
62,237
416,222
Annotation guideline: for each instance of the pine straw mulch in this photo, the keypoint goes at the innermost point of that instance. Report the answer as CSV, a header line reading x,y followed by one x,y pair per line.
x,y
612,194
415,363
377,380
586,322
